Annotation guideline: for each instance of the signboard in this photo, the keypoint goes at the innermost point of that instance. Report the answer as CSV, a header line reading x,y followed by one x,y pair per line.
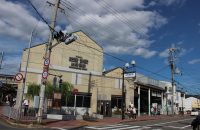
x,y
44,74
18,76
129,75
78,63
36,102
75,91
46,62
57,95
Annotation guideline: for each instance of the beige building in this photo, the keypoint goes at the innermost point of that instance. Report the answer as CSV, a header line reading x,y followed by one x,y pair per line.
x,y
81,64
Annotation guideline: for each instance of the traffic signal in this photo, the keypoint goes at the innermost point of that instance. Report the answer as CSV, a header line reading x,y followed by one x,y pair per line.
x,y
60,83
66,38
69,38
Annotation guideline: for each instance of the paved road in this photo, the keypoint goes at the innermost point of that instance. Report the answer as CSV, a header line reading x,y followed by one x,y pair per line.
x,y
167,124
164,124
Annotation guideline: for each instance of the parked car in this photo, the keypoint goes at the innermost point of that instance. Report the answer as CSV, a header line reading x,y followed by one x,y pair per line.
x,y
194,112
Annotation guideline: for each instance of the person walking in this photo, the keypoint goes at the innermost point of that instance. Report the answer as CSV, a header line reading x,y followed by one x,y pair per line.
x,y
26,104
134,112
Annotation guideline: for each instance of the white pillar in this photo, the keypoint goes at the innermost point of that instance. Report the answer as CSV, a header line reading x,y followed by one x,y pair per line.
x,y
138,100
149,101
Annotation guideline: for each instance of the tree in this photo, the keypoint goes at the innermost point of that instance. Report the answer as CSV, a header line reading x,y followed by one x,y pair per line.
x,y
33,90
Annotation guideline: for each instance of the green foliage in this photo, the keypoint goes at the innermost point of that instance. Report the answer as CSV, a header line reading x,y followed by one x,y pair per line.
x,y
33,90
49,90
66,90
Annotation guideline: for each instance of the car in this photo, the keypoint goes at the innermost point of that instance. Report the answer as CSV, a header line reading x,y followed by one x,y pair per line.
x,y
194,112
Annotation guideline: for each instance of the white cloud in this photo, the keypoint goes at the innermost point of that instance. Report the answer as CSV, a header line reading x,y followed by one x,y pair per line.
x,y
123,32
127,29
144,52
194,61
167,2
16,21
164,53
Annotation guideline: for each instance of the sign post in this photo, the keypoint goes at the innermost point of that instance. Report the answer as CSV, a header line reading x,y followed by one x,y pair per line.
x,y
75,91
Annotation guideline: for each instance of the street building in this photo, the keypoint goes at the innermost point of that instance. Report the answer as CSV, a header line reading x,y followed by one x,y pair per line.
x,y
81,64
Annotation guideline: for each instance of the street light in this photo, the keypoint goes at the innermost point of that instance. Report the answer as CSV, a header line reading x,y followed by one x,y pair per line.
x,y
130,74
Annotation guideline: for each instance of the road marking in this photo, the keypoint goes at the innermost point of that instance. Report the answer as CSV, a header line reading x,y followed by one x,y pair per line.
x,y
185,126
169,122
126,128
58,128
113,127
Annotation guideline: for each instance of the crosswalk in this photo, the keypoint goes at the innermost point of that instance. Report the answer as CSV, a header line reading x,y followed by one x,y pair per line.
x,y
118,127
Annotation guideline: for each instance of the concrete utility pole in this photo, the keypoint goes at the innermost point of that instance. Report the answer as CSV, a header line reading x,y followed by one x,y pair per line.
x,y
171,61
47,56
2,54
25,74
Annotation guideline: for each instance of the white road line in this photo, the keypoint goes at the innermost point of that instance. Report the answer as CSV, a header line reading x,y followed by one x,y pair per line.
x,y
125,128
113,127
185,126
58,128
169,122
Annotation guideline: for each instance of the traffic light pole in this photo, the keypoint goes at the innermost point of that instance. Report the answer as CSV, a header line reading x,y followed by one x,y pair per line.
x,y
47,56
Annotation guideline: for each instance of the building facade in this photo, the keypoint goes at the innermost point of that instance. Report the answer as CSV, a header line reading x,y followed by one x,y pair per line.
x,y
81,64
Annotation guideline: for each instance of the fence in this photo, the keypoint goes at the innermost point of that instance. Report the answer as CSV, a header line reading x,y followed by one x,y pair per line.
x,y
13,113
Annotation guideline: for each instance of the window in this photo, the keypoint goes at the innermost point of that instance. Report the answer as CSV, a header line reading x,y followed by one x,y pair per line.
x,y
76,78
82,100
118,83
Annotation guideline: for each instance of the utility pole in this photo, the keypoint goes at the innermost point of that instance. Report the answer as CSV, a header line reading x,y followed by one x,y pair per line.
x,y
47,56
25,74
123,105
2,54
171,61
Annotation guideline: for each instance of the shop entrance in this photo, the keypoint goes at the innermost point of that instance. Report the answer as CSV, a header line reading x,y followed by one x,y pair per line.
x,y
104,108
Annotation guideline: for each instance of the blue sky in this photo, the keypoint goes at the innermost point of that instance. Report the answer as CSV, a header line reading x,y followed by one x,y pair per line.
x,y
128,29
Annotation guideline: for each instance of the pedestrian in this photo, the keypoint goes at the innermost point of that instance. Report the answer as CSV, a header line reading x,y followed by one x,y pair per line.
x,y
26,104
196,122
129,112
134,113
152,111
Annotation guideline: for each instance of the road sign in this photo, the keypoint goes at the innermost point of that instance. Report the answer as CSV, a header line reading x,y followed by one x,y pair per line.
x,y
129,75
18,76
46,62
75,91
44,74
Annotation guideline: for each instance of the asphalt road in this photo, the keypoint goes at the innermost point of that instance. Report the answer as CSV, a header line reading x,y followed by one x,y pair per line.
x,y
182,123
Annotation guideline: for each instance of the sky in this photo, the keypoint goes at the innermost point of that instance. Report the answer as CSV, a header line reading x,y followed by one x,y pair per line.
x,y
140,30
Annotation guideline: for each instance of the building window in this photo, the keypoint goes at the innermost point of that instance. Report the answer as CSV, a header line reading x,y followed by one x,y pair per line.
x,y
118,83
76,79
116,101
82,100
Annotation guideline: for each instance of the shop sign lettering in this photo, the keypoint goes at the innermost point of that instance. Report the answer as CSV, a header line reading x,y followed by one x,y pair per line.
x,y
78,63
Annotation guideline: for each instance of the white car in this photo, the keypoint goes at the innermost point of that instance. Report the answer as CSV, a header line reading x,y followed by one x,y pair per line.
x,y
194,113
